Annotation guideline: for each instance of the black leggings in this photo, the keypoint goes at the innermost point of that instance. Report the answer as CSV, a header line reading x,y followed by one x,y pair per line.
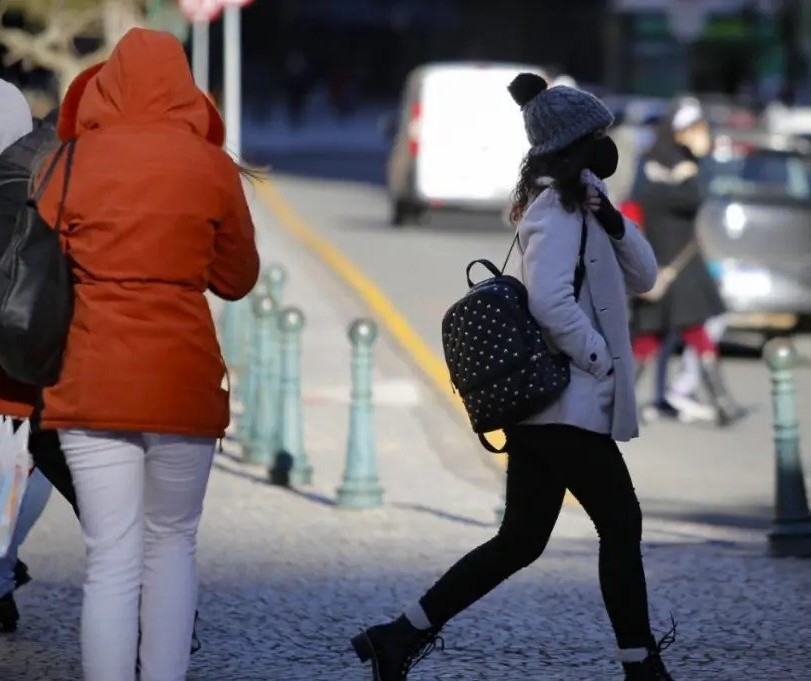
x,y
545,461
46,450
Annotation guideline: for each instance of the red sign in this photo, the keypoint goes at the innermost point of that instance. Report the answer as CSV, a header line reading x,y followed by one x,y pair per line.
x,y
207,10
200,10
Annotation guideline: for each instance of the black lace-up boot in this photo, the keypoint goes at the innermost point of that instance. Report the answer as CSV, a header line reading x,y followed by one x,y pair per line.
x,y
395,648
21,574
9,615
652,668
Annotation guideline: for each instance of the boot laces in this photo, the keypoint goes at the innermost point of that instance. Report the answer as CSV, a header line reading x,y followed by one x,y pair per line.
x,y
427,645
664,643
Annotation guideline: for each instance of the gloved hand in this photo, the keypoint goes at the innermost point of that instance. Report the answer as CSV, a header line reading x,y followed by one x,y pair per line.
x,y
608,216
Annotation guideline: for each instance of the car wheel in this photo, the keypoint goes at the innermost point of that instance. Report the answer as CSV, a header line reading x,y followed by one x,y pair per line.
x,y
404,213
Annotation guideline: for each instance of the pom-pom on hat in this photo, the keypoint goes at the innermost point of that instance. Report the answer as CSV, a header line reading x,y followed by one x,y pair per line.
x,y
556,116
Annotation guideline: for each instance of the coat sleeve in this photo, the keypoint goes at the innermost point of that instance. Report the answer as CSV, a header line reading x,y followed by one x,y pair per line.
x,y
552,241
236,263
636,259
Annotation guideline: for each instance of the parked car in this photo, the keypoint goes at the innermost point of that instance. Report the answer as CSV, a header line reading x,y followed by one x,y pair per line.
x,y
459,140
755,228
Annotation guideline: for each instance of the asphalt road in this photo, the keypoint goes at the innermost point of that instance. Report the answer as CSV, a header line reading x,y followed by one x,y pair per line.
x,y
694,473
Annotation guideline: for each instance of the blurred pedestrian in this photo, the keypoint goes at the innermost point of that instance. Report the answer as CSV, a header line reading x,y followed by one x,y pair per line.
x,y
686,296
572,444
155,215
21,140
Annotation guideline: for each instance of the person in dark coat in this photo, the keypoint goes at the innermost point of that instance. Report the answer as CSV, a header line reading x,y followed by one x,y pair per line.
x,y
23,142
669,193
18,161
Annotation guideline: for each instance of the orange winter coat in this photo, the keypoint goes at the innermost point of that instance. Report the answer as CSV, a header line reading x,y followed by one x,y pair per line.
x,y
155,216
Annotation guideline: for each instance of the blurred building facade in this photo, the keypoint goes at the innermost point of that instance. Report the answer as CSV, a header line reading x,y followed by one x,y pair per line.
x,y
748,48
362,49
752,49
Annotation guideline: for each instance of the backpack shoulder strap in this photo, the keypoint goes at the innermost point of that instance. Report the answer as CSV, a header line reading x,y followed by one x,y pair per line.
x,y
66,181
46,178
490,448
510,252
580,268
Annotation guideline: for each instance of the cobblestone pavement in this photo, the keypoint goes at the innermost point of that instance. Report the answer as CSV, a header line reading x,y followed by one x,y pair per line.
x,y
288,578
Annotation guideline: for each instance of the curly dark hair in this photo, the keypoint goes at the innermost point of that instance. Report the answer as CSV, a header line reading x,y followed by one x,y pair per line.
x,y
563,168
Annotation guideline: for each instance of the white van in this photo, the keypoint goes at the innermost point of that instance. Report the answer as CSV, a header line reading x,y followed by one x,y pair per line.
x,y
459,141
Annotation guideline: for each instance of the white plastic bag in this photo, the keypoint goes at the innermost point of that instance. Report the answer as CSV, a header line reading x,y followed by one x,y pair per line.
x,y
15,464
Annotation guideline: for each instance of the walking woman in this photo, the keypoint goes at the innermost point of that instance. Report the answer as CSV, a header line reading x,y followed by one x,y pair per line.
x,y
155,215
670,195
571,445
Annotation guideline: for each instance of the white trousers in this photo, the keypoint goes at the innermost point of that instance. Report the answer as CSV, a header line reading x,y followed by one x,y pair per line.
x,y
140,498
689,378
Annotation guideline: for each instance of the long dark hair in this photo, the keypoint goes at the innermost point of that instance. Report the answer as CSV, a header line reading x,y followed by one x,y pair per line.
x,y
253,173
564,168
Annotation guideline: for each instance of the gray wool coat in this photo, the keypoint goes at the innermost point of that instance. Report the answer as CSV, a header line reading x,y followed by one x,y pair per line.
x,y
593,331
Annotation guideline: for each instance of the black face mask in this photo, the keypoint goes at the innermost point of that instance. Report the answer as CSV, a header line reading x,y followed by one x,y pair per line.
x,y
604,158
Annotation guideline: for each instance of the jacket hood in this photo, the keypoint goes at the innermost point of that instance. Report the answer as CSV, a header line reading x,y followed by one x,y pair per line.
x,y
147,79
15,115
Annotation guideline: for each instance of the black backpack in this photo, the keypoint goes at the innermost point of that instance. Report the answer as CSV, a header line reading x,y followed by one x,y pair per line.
x,y
36,291
17,163
496,354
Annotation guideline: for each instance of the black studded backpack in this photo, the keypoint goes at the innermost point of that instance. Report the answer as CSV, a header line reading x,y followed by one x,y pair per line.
x,y
498,359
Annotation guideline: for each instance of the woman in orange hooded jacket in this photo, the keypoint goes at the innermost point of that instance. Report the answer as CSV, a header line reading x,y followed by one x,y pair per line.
x,y
154,216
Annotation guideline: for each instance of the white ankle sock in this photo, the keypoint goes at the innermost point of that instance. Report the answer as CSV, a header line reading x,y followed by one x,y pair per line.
x,y
417,617
629,655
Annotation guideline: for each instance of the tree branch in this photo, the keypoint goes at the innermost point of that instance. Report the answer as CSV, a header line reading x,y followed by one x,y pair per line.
x,y
93,58
77,23
53,48
29,49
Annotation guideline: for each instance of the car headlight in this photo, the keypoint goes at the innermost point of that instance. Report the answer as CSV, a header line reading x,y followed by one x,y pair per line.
x,y
735,220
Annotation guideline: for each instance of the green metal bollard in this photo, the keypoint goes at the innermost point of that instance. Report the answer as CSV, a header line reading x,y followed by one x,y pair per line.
x,y
244,319
234,324
246,360
276,277
260,418
290,465
791,529
361,487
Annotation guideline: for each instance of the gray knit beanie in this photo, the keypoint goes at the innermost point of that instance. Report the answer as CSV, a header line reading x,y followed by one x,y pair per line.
x,y
557,116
